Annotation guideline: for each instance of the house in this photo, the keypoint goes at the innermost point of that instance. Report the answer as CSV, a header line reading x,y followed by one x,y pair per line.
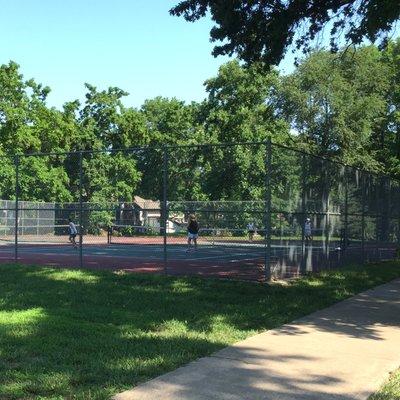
x,y
141,212
145,212
148,212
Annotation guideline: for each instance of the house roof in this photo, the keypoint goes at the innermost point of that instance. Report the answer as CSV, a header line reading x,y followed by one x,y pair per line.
x,y
146,204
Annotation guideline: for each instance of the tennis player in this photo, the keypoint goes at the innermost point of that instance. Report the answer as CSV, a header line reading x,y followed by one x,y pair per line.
x,y
72,233
251,230
193,232
308,230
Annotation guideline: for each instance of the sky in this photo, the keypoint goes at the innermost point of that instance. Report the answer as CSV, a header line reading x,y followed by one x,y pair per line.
x,y
132,44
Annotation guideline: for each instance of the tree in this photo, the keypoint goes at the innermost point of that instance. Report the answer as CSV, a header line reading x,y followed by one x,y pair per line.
x,y
101,115
169,122
337,104
387,139
28,126
238,110
263,30
105,125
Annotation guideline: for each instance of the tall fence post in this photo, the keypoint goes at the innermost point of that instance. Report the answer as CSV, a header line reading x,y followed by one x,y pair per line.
x,y
165,205
380,189
16,227
344,232
345,235
80,210
398,215
303,262
268,163
363,197
326,204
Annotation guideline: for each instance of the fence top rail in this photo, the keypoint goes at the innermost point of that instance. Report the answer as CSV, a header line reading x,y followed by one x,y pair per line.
x,y
165,147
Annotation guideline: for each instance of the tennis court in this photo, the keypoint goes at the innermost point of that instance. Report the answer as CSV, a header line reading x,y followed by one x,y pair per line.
x,y
216,256
140,254
308,213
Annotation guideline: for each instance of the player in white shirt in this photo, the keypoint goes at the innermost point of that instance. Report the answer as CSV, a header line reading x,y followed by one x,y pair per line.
x,y
251,230
308,230
72,233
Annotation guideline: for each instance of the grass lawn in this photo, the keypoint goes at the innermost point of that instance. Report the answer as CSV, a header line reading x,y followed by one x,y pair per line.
x,y
78,334
390,390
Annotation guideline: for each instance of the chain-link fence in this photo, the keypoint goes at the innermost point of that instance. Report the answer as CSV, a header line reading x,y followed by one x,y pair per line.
x,y
263,210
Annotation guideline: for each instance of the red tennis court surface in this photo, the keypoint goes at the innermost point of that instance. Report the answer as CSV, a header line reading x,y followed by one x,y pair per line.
x,y
225,259
145,255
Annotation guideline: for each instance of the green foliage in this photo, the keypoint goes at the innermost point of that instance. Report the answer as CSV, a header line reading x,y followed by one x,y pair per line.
x,y
237,110
343,106
265,29
43,179
109,176
99,221
168,122
390,390
387,138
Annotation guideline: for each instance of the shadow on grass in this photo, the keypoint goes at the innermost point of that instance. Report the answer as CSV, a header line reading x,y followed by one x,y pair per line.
x,y
89,334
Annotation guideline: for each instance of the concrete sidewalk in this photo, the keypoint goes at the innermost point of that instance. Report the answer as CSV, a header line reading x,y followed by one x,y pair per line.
x,y
343,352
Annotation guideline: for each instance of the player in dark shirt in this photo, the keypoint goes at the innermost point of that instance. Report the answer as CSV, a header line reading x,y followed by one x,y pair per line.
x,y
193,231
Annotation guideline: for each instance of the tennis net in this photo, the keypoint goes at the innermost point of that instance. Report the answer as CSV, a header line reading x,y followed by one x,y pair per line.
x,y
36,233
131,234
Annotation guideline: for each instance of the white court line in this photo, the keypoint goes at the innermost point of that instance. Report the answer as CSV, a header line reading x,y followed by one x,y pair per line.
x,y
217,256
21,254
149,258
226,256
